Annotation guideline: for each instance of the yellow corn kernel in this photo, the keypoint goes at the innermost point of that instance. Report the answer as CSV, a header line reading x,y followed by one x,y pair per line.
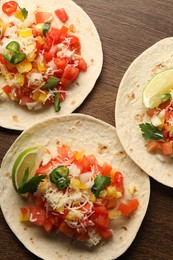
x,y
79,156
25,32
42,97
8,76
36,95
92,197
72,216
111,203
39,27
19,79
40,67
31,57
103,194
60,210
76,183
24,66
111,192
113,214
2,28
40,40
19,15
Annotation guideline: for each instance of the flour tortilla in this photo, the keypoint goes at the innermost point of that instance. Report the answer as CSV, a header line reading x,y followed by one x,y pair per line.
x,y
14,116
130,111
90,135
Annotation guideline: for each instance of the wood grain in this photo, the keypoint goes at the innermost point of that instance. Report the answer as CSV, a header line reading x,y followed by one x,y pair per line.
x,y
126,28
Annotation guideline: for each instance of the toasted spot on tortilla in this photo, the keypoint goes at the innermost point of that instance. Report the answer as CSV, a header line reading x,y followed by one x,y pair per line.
x,y
32,240
73,102
8,175
139,117
131,150
78,122
131,96
124,228
121,154
157,68
102,148
15,118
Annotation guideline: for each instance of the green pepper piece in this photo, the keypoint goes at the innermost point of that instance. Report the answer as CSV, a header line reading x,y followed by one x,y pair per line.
x,y
165,97
57,105
13,47
7,55
62,183
46,28
100,183
17,58
24,12
51,83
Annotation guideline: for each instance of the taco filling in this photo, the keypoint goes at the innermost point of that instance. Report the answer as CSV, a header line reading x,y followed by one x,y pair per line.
x,y
73,194
39,60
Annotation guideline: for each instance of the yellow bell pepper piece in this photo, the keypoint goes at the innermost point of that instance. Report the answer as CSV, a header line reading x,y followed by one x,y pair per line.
x,y
40,67
19,79
25,32
2,28
40,40
111,192
24,66
112,203
114,214
40,96
19,15
79,156
8,76
31,57
39,27
76,183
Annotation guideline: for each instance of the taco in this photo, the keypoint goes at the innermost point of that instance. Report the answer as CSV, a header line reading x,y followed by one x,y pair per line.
x,y
143,111
50,59
82,184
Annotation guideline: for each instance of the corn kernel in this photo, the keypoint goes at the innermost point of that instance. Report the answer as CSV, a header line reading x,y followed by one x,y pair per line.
x,y
31,57
40,67
19,79
40,40
25,32
92,197
60,209
79,156
72,216
111,192
19,15
8,76
42,97
24,66
113,214
103,194
39,27
76,183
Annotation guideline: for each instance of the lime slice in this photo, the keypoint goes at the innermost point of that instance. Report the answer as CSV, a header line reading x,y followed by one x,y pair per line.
x,y
29,158
161,84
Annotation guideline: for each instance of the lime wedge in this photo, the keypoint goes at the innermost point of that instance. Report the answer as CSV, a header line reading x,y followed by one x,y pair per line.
x,y
160,85
29,158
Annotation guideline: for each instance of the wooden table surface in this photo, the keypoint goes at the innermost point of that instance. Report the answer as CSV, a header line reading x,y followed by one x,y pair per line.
x,y
126,28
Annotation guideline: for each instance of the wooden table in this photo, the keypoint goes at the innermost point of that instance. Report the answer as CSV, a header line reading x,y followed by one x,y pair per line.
x,y
126,28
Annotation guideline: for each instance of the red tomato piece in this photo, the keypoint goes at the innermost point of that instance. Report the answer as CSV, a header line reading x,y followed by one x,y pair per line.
x,y
55,34
102,221
74,43
106,169
63,32
49,226
66,229
44,169
25,100
82,65
152,112
9,7
118,182
61,63
42,17
7,89
48,43
39,202
61,14
101,210
106,234
37,216
24,211
2,59
129,207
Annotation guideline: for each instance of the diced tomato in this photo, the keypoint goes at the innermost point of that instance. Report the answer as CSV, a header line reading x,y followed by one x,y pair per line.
x,y
63,32
165,104
37,216
74,43
55,34
101,210
118,182
102,221
66,229
7,89
48,55
82,65
9,7
61,63
151,112
42,17
106,169
106,234
65,152
65,82
25,100
48,226
169,115
167,148
24,211
44,169
153,146
129,207
48,43
2,59
39,202
61,14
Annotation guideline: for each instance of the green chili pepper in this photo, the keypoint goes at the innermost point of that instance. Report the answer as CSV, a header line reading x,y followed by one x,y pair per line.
x,y
46,28
13,47
59,177
17,58
24,12
57,105
62,183
165,97
7,55
100,183
51,83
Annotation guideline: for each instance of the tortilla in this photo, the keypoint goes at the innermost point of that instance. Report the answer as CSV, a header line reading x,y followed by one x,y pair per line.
x,y
79,132
15,116
130,111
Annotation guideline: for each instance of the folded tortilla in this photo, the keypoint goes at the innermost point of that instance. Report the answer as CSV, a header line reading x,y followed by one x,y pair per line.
x,y
79,132
15,116
130,111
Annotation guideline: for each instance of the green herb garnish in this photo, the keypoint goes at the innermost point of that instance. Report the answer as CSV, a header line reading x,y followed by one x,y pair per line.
x,y
31,185
151,132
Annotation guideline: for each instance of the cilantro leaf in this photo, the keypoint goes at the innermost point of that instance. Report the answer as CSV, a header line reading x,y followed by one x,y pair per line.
x,y
31,185
24,12
150,132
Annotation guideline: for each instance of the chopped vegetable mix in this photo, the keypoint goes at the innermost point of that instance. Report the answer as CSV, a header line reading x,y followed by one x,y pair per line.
x,y
40,61
72,193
